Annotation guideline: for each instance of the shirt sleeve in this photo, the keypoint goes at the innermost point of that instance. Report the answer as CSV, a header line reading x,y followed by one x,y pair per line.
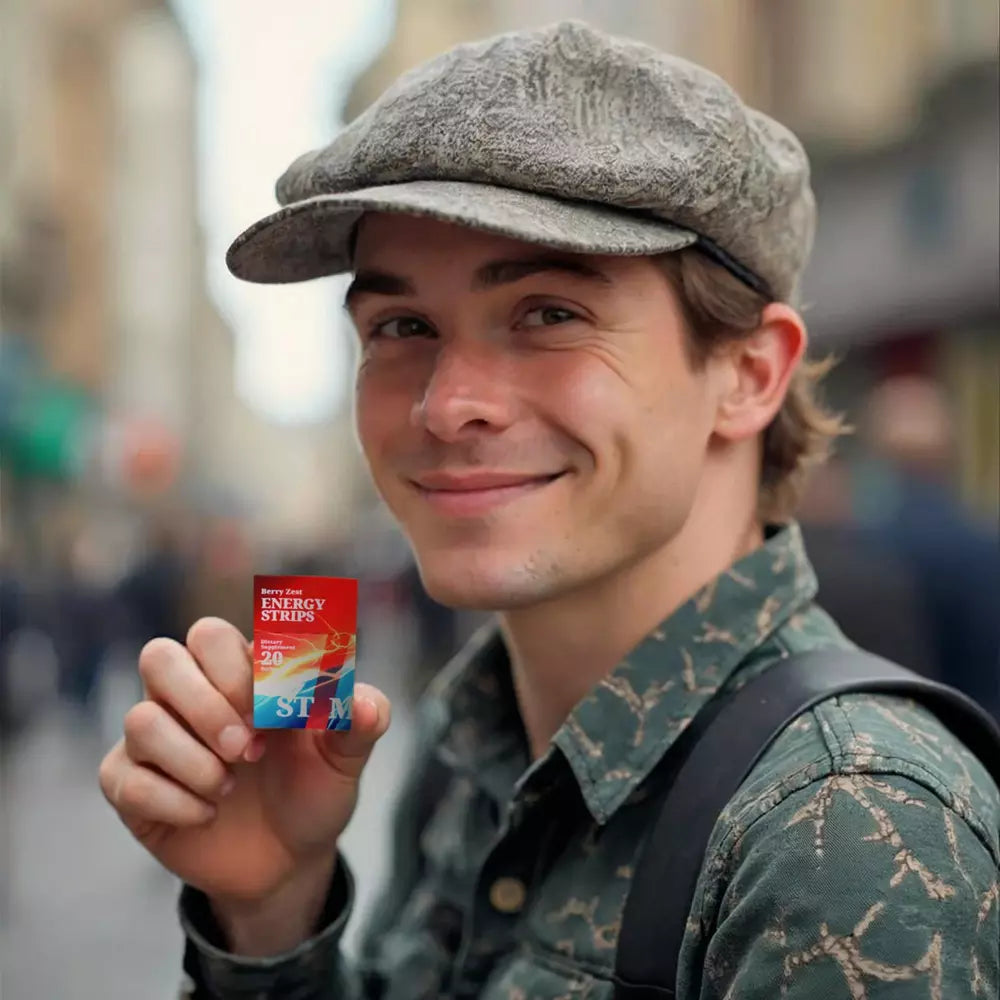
x,y
314,970
317,968
856,887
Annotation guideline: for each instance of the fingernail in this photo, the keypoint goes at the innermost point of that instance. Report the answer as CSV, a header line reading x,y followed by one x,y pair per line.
x,y
228,785
233,740
255,750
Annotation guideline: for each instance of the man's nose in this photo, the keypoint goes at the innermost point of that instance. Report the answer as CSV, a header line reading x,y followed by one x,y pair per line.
x,y
468,389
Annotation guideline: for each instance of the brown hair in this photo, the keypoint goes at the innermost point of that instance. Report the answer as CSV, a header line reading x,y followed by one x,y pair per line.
x,y
720,309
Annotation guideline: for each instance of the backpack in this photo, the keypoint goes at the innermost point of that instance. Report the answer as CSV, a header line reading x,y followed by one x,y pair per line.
x,y
710,761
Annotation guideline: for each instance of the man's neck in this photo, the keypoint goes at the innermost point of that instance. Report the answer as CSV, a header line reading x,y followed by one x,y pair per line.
x,y
560,650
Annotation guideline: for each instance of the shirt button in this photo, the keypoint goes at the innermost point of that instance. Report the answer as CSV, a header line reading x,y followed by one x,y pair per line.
x,y
508,895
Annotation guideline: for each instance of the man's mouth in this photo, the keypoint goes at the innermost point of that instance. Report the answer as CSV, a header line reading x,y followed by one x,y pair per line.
x,y
473,493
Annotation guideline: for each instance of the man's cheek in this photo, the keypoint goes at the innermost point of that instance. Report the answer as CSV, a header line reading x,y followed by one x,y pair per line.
x,y
364,439
375,415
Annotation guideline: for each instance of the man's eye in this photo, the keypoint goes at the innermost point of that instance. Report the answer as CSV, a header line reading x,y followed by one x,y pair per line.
x,y
548,316
401,328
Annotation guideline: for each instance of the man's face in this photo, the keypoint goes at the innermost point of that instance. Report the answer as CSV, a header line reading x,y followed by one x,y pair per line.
x,y
530,417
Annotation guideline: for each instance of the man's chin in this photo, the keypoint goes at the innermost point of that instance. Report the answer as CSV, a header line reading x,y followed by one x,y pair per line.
x,y
482,585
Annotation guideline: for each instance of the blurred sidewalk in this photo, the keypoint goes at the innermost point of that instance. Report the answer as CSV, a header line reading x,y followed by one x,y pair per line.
x,y
87,914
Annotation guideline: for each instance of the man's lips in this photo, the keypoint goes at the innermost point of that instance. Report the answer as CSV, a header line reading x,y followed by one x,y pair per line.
x,y
479,479
473,493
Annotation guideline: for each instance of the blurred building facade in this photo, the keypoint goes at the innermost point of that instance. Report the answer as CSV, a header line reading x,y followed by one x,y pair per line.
x,y
896,101
100,266
853,69
117,398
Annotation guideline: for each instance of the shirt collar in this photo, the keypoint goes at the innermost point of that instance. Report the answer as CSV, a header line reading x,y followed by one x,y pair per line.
x,y
616,735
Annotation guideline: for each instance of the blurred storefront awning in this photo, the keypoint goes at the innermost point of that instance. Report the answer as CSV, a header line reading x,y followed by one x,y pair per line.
x,y
46,424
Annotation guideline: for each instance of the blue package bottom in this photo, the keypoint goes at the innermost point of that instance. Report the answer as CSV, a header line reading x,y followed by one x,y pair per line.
x,y
322,701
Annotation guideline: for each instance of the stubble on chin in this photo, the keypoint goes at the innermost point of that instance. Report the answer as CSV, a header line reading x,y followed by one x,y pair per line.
x,y
494,584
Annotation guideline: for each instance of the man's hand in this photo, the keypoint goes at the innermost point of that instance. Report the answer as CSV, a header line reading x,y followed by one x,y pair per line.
x,y
251,820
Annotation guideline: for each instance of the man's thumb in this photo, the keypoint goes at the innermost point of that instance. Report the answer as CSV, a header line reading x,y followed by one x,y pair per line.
x,y
348,751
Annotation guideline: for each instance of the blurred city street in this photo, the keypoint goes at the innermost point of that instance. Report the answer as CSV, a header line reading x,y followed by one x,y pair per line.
x,y
167,430
88,915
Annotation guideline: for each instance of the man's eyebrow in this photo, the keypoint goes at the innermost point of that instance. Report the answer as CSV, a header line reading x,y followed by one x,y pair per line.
x,y
505,272
490,275
377,283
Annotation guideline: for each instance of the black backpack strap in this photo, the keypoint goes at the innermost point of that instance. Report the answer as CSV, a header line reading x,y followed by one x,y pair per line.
x,y
710,761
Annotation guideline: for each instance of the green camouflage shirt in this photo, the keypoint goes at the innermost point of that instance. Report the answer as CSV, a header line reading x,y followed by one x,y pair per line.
x,y
859,860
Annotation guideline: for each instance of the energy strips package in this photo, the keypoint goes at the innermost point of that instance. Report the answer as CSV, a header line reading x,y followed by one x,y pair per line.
x,y
304,636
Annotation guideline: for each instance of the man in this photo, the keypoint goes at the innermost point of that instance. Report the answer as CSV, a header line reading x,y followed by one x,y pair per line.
x,y
581,393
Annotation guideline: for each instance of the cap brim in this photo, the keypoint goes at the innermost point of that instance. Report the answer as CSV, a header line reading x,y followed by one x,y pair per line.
x,y
311,238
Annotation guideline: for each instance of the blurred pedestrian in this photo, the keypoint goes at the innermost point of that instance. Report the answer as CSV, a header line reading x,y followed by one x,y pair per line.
x,y
150,594
909,501
79,617
219,580
12,619
583,396
872,594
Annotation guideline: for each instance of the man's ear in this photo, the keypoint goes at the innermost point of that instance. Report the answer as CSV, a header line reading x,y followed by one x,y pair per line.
x,y
759,369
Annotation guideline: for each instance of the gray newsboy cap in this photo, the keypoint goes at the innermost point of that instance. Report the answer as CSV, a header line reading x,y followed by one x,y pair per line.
x,y
560,136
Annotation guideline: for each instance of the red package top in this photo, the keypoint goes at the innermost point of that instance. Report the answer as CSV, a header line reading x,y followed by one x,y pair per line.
x,y
295,605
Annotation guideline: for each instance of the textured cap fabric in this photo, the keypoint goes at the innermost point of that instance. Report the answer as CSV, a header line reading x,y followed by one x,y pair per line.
x,y
560,136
